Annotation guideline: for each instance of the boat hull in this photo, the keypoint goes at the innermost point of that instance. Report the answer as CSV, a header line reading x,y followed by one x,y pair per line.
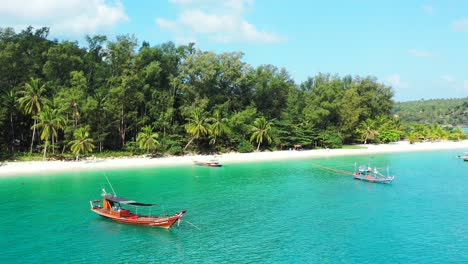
x,y
208,164
368,178
153,221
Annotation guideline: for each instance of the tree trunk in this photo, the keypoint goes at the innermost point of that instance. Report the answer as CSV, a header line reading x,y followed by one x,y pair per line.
x,y
45,150
99,127
122,128
258,146
12,133
75,114
34,133
53,149
186,146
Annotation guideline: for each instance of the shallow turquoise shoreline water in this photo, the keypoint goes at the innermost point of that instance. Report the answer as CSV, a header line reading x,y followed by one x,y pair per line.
x,y
269,212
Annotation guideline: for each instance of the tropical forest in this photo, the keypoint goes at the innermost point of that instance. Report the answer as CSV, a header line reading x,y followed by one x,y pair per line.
x,y
62,99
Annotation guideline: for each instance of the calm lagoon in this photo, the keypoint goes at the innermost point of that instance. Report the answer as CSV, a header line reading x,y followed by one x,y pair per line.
x,y
269,212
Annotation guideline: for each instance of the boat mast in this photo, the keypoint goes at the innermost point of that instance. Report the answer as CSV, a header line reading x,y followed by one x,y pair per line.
x,y
115,194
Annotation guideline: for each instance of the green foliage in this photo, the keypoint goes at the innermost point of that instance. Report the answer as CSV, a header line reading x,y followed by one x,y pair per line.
x,y
82,143
330,139
368,130
32,97
147,139
133,147
175,150
388,134
216,101
260,131
49,121
197,125
440,111
457,134
421,132
245,147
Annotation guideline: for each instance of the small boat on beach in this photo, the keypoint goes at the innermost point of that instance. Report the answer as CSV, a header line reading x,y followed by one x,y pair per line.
x,y
211,163
371,175
124,210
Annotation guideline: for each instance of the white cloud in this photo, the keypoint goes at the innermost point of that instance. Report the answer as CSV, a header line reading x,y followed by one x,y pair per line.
x,y
185,40
201,22
231,6
428,9
66,17
182,2
451,83
220,21
460,25
421,53
167,24
448,78
395,81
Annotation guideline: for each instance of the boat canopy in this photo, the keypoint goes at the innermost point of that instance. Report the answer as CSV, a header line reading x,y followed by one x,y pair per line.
x,y
122,200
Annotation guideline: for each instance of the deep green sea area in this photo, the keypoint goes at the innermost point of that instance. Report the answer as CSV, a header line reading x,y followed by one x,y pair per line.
x,y
269,212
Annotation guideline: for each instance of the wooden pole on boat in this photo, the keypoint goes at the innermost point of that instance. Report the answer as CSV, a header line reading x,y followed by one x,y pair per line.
x,y
115,194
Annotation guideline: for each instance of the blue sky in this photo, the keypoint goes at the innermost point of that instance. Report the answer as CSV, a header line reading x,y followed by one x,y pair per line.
x,y
417,47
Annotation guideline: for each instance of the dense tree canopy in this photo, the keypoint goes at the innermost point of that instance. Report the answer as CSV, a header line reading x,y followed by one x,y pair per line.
x,y
113,94
440,111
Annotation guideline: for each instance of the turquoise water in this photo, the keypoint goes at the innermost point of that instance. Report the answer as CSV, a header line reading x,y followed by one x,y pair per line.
x,y
270,212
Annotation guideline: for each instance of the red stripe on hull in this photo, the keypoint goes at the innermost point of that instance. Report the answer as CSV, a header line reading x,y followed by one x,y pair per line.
x,y
155,221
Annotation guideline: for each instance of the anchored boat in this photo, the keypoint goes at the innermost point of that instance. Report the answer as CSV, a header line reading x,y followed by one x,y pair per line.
x,y
363,173
371,175
126,211
211,163
464,157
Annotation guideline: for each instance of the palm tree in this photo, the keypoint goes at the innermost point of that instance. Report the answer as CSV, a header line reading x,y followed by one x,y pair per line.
x,y
458,134
147,139
10,101
32,101
260,131
50,122
101,98
82,143
196,126
368,130
218,127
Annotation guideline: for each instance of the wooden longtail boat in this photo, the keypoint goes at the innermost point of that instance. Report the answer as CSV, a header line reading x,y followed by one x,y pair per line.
x,y
211,163
371,175
363,174
111,206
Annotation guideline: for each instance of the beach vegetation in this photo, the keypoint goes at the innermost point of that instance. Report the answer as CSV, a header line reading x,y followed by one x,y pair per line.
x,y
31,101
82,143
49,121
194,100
197,126
261,131
147,139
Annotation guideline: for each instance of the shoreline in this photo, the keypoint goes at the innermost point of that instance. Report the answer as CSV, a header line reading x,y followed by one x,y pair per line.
x,y
29,168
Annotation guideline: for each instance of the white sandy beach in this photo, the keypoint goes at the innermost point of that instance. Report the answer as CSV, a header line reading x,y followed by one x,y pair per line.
x,y
43,167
